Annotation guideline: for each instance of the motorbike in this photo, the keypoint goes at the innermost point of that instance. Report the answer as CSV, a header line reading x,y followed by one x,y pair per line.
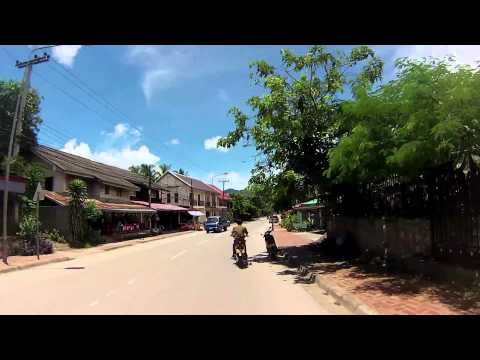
x,y
241,258
270,244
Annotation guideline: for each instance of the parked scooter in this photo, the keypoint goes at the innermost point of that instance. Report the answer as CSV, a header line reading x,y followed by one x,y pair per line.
x,y
270,244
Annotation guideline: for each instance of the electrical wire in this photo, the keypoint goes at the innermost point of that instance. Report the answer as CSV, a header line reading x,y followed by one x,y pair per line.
x,y
95,96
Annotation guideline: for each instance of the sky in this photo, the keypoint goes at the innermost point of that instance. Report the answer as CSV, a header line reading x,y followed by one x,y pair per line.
x,y
127,105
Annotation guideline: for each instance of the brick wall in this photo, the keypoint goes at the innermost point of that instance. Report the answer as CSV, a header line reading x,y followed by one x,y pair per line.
x,y
404,237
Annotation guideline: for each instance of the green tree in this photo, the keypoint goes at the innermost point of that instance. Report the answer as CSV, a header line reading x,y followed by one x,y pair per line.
x,y
182,172
163,168
34,174
150,173
428,116
77,190
293,122
9,91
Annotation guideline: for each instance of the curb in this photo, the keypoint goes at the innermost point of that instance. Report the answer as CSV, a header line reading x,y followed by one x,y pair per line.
x,y
346,299
67,258
27,266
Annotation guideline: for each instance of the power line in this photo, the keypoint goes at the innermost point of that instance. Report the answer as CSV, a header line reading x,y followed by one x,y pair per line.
x,y
96,95
59,133
113,108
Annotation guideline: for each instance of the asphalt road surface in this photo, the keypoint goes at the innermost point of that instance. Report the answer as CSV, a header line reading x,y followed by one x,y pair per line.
x,y
185,274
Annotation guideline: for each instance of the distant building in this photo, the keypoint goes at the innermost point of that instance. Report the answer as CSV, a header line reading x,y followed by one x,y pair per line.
x,y
224,200
120,194
195,194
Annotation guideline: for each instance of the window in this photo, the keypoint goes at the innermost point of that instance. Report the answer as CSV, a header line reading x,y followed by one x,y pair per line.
x,y
49,183
168,198
119,192
198,199
107,190
176,198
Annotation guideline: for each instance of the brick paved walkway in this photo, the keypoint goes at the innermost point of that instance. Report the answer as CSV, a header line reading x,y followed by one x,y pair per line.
x,y
399,294
283,238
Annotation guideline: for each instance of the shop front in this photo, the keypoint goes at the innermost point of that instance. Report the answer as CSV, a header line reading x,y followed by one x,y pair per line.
x,y
168,217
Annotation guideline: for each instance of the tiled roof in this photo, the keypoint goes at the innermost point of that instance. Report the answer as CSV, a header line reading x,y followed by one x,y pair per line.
x,y
80,166
195,183
63,200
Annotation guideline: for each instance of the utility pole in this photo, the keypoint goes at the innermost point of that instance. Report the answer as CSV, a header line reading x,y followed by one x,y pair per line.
x,y
223,181
14,147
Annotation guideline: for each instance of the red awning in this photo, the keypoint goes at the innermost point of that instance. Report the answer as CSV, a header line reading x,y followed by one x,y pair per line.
x,y
162,207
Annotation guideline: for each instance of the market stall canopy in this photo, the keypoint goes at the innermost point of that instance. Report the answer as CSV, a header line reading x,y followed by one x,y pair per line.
x,y
196,213
162,207
311,204
127,206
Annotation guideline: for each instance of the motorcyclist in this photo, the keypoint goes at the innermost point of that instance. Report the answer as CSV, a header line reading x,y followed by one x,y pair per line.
x,y
239,233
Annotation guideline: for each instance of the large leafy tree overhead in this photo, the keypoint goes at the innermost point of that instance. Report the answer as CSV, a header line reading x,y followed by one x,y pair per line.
x,y
429,115
9,91
293,122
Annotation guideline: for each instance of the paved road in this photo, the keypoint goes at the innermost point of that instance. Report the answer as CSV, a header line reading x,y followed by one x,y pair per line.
x,y
186,274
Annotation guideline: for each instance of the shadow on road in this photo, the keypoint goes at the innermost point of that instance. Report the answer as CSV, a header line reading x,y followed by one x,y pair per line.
x,y
367,278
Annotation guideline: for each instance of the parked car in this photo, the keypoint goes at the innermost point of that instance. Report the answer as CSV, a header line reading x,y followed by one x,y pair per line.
x,y
274,219
216,224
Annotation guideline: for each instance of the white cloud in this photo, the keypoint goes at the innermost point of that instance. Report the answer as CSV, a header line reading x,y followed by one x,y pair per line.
x,y
118,148
173,141
211,144
236,180
65,54
464,54
164,67
119,130
223,95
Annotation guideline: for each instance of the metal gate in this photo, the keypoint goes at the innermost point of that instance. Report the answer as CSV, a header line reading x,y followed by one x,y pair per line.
x,y
455,216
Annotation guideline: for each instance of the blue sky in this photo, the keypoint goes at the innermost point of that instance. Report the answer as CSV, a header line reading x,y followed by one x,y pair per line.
x,y
161,103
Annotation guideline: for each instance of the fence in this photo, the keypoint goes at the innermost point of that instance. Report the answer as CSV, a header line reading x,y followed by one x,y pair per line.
x,y
447,200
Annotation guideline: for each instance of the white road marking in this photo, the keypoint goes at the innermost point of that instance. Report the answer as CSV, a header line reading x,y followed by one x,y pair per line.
x,y
202,242
94,303
179,254
131,281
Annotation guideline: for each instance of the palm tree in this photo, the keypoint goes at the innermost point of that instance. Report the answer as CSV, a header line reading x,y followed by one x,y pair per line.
x,y
150,173
134,169
182,172
77,190
163,168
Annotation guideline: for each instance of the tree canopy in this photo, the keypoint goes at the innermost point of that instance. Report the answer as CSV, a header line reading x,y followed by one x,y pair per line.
x,y
292,124
9,91
427,116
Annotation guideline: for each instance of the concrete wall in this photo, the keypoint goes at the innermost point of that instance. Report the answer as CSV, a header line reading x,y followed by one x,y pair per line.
x,y
404,237
56,217
59,181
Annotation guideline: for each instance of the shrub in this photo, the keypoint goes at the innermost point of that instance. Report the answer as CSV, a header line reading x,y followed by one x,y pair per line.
x,y
288,221
91,212
30,247
28,231
28,226
55,236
